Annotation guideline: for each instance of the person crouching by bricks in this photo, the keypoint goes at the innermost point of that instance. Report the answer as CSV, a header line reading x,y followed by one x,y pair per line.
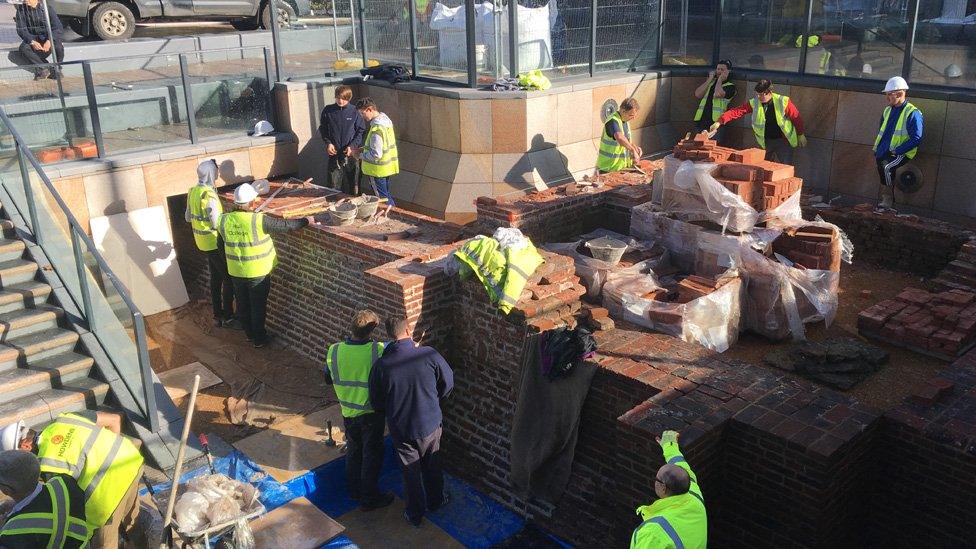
x,y
379,151
678,517
784,130
348,366
203,209
617,152
899,136
251,256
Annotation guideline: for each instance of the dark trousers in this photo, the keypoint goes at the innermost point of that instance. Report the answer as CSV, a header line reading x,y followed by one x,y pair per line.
x,y
779,150
423,477
344,174
887,165
252,304
221,288
40,57
364,456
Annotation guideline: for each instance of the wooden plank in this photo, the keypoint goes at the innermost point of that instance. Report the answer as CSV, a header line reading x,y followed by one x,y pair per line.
x,y
296,525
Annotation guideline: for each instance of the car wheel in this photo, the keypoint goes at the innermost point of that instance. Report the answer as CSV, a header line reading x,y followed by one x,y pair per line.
x,y
113,21
78,26
245,24
286,15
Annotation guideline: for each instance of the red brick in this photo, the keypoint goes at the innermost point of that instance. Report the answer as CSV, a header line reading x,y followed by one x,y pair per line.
x,y
925,395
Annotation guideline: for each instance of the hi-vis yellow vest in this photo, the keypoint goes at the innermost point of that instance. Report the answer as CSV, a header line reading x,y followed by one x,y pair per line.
x,y
719,104
759,120
58,523
204,234
675,522
349,366
613,156
900,135
103,463
249,250
504,275
389,162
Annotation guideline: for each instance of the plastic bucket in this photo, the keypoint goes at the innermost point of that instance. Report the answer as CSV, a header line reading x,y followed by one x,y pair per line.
x,y
368,206
343,214
607,249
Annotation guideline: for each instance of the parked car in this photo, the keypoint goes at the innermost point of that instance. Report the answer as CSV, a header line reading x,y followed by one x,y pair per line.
x,y
116,19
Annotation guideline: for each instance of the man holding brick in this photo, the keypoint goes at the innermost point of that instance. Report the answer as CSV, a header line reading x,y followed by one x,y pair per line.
x,y
678,518
779,138
899,136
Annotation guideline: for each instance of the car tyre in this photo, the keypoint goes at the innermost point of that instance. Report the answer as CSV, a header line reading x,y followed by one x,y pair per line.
x,y
248,24
286,14
113,21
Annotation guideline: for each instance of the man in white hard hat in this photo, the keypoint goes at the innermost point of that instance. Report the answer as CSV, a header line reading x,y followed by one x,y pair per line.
x,y
899,136
251,256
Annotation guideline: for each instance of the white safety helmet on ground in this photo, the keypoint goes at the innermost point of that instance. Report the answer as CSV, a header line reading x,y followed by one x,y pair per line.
x,y
11,436
895,83
262,128
245,194
867,69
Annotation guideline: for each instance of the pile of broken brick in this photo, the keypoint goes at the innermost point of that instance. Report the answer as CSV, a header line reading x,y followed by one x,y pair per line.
x,y
940,324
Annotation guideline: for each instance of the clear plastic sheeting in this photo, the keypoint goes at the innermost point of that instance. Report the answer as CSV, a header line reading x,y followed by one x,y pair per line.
x,y
211,502
510,238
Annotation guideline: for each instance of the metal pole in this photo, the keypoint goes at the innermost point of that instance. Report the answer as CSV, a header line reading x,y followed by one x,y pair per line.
x,y
412,6
593,21
717,33
352,25
906,68
362,29
57,70
191,115
335,29
660,32
146,369
684,27
82,278
93,108
29,195
806,33
276,39
270,97
513,43
472,39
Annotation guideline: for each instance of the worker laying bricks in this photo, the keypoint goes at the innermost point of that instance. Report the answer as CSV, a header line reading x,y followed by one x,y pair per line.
x,y
715,94
379,151
251,256
778,139
617,152
407,383
899,136
342,129
44,514
89,447
677,519
203,209
348,365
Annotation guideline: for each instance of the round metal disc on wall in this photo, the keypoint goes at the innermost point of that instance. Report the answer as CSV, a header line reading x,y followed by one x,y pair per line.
x,y
609,107
908,178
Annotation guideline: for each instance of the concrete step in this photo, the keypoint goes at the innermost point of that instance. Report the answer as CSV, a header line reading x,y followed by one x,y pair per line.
x,y
15,271
37,409
11,249
28,321
26,350
23,294
57,371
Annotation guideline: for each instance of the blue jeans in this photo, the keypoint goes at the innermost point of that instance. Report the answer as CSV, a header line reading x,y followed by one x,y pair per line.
x,y
381,185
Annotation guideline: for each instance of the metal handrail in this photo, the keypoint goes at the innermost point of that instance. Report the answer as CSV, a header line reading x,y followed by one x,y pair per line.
x,y
78,237
142,56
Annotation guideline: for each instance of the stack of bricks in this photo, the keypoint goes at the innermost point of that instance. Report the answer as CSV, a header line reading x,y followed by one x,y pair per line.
x,y
811,247
960,273
700,148
763,185
693,287
940,324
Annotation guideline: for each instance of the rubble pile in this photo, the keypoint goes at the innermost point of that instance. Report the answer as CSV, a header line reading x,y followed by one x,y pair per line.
x,y
940,324
840,363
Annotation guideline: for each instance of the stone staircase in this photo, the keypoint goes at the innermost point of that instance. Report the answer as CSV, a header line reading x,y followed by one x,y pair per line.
x,y
43,368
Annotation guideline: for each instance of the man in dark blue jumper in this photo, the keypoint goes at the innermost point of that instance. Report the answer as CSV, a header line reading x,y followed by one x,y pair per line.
x,y
899,135
36,46
407,384
342,129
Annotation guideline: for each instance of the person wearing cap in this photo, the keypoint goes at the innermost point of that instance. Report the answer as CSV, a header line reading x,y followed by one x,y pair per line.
x,y
342,129
251,256
782,134
899,136
44,514
89,447
379,151
715,94
203,209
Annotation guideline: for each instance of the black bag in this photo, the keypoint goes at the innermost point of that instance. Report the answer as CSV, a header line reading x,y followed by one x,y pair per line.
x,y
388,72
562,349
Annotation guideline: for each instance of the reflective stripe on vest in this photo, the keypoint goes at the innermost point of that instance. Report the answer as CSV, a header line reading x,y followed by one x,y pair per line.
x,y
719,104
353,394
249,250
759,119
824,61
389,163
613,156
204,234
58,524
900,135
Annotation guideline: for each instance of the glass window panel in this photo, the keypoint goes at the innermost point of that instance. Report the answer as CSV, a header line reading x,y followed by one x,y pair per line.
x,y
859,38
688,29
325,41
763,34
554,35
625,30
442,50
230,91
945,43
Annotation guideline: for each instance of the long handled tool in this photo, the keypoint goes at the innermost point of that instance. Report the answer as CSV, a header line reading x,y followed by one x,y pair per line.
x,y
168,517
206,452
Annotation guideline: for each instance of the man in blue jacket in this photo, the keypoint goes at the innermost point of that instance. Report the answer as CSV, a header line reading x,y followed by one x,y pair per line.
x,y
36,45
342,129
899,135
407,384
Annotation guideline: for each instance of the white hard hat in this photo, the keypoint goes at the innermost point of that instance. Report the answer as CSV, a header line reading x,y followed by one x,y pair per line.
x,y
866,69
262,128
895,83
11,436
245,194
953,71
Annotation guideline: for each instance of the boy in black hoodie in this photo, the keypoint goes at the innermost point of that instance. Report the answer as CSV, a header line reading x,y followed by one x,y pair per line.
x,y
342,128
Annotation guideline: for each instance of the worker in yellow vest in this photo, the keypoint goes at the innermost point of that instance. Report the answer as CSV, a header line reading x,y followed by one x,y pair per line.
x,y
378,154
44,514
89,446
677,519
617,152
714,94
202,211
348,365
251,256
776,122
899,136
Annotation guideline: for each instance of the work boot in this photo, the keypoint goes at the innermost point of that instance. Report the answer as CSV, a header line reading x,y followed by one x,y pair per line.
x,y
233,324
258,343
414,523
887,199
381,501
55,74
42,74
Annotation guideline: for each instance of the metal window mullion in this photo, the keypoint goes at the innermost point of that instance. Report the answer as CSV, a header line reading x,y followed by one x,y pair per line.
x,y
148,383
96,123
82,278
513,43
191,115
470,32
362,30
660,33
29,194
806,33
717,32
276,39
270,97
906,67
412,6
593,24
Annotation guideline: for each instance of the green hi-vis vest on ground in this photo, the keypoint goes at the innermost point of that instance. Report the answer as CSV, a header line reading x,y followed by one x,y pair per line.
x,y
104,464
759,119
349,366
249,250
613,156
675,522
57,523
389,163
900,134
503,274
719,104
204,234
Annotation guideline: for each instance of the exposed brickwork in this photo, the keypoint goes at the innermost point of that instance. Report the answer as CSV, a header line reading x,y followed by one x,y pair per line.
x,y
960,273
943,324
